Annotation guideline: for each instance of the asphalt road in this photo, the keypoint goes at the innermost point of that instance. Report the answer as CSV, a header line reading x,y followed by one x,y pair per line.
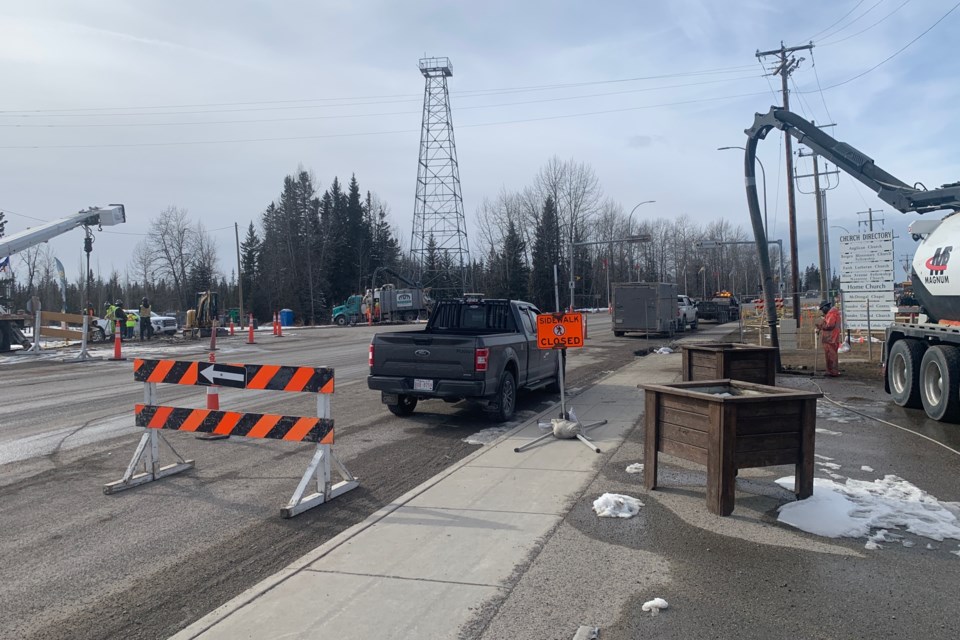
x,y
75,563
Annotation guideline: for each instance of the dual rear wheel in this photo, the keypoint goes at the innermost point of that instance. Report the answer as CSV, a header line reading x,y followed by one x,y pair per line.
x,y
928,377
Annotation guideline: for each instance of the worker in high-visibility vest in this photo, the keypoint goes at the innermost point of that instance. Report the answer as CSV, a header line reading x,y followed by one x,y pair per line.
x,y
110,316
131,325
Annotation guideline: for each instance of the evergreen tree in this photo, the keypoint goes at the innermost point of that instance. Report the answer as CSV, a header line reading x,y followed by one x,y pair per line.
x,y
516,274
250,250
547,252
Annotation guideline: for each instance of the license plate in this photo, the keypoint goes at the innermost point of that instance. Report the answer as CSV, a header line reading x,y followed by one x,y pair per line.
x,y
422,385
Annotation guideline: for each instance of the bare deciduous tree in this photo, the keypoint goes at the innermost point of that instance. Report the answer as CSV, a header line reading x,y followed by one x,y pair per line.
x,y
171,239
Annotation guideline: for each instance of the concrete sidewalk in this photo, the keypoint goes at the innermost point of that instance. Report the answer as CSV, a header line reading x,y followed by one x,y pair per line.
x,y
426,565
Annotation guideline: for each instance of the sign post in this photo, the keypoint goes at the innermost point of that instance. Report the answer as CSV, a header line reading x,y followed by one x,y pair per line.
x,y
559,332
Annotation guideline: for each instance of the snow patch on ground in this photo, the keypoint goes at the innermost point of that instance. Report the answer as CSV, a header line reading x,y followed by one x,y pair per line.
x,y
866,468
487,435
857,507
817,455
827,432
615,505
636,467
828,465
654,606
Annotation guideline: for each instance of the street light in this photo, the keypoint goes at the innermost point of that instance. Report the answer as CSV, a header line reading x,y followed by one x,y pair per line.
x,y
763,172
643,237
577,244
630,230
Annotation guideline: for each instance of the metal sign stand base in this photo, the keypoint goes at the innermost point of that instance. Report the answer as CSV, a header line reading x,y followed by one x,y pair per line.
x,y
319,467
152,469
565,415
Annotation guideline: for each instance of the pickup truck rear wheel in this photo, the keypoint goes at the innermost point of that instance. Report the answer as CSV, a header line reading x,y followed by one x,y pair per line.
x,y
96,335
506,397
404,407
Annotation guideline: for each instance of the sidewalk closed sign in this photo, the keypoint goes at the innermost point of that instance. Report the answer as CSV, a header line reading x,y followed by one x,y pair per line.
x,y
560,331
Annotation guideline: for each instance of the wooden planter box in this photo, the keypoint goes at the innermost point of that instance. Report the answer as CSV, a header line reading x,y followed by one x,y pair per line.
x,y
717,361
755,426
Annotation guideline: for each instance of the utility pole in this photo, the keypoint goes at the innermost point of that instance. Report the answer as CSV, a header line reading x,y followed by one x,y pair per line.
x,y
787,64
236,235
823,238
869,222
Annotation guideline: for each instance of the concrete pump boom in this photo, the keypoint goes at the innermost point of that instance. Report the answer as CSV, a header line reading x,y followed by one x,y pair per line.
x,y
859,165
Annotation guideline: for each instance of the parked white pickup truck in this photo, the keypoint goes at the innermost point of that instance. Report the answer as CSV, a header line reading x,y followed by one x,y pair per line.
x,y
162,326
687,315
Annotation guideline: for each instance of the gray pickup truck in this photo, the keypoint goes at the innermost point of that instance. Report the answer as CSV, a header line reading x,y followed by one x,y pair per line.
x,y
472,348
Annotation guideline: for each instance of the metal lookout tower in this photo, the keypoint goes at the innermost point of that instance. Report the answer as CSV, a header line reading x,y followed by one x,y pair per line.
x,y
439,246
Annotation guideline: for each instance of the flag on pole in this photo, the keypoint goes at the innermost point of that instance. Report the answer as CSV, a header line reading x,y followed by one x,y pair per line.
x,y
63,283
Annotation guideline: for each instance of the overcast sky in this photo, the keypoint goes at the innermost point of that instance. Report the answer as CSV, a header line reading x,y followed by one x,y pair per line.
x,y
208,105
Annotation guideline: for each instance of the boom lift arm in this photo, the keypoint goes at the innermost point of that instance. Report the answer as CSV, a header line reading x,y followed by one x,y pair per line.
x,y
393,273
111,215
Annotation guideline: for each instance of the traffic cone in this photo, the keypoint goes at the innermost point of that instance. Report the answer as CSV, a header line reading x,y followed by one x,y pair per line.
x,y
213,404
250,335
276,322
117,349
231,327
279,327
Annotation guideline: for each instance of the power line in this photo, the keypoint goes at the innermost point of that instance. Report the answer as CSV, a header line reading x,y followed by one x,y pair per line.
x,y
855,20
813,64
894,54
362,115
23,215
835,23
381,99
853,35
378,133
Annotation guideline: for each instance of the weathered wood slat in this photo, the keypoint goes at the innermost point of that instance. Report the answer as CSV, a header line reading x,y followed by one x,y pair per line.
x,y
54,316
66,334
684,435
773,409
684,451
768,442
758,425
750,459
683,418
690,405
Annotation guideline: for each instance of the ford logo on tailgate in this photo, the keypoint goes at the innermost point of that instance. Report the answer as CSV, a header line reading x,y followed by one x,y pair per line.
x,y
422,353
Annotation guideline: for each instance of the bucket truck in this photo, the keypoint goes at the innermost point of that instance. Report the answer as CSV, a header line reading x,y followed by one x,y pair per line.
x,y
11,324
922,358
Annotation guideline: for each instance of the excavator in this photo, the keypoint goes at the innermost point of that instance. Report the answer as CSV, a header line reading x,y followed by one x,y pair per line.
x,y
11,324
923,357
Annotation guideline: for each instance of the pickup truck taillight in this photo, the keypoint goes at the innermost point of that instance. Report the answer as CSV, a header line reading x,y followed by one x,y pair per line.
x,y
370,356
480,357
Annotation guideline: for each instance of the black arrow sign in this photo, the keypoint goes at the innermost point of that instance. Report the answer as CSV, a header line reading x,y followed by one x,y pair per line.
x,y
222,375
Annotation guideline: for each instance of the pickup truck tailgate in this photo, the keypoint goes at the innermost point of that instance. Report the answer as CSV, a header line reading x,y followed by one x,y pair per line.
x,y
418,354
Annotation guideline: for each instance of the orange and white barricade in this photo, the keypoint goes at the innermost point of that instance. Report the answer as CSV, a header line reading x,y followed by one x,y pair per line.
x,y
155,417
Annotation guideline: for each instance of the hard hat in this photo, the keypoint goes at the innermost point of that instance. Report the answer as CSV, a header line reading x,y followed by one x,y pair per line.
x,y
825,306
144,301
119,302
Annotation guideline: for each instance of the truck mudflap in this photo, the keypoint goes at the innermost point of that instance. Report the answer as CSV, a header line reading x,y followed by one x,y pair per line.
x,y
392,386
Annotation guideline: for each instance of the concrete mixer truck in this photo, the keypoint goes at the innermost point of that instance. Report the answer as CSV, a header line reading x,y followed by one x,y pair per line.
x,y
922,358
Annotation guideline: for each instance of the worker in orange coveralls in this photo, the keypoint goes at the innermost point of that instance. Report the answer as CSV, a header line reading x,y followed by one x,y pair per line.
x,y
829,328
